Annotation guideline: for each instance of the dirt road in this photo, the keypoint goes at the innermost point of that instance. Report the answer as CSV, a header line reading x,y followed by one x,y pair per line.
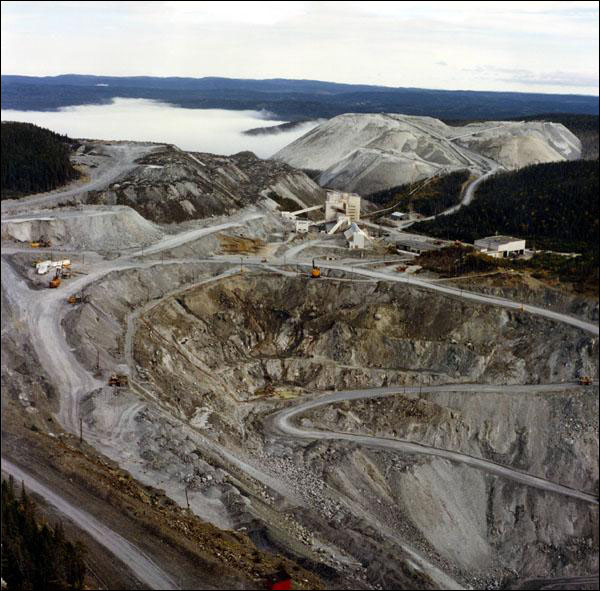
x,y
282,423
120,160
141,565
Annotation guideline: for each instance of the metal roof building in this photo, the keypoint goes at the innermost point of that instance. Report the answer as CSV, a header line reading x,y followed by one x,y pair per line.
x,y
500,246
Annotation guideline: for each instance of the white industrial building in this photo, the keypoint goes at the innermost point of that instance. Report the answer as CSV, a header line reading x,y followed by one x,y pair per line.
x,y
500,246
347,204
356,237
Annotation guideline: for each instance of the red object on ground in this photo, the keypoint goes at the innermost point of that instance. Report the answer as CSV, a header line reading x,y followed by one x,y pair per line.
x,y
284,584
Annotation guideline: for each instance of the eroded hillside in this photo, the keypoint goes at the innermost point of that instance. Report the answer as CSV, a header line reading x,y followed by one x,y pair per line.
x,y
170,185
222,357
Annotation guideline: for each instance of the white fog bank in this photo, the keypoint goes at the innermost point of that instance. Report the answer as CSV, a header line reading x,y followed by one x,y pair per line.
x,y
198,130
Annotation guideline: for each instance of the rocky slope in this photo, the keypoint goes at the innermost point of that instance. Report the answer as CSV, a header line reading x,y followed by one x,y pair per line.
x,y
170,185
474,520
373,152
106,228
222,356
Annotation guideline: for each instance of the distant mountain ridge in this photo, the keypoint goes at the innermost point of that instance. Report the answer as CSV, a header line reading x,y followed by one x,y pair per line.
x,y
283,98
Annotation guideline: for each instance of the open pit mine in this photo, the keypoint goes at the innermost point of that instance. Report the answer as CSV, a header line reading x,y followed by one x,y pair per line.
x,y
228,396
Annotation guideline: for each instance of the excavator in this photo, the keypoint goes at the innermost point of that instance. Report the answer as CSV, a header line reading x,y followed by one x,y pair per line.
x,y
55,281
316,271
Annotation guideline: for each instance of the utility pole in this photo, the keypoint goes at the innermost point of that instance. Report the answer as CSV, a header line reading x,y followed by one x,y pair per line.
x,y
97,359
80,430
187,500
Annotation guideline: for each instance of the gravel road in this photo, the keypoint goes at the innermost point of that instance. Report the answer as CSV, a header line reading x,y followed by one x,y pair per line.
x,y
141,565
121,159
282,423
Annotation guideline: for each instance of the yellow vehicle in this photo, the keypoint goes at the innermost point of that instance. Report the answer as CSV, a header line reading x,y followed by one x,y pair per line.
x,y
316,271
585,381
40,243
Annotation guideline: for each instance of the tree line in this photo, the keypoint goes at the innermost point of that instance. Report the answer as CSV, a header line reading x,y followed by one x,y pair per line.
x,y
34,159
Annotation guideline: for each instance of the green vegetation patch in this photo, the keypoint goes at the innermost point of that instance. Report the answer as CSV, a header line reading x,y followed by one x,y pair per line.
x,y
35,556
34,160
430,199
579,271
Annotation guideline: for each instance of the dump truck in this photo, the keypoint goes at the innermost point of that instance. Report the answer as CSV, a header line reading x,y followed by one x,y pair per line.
x,y
316,271
585,381
118,380
78,299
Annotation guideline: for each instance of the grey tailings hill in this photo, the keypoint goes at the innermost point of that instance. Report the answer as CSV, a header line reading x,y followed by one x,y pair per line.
x,y
373,152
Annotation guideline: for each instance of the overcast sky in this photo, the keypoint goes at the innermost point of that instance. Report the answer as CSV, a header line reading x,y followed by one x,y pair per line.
x,y
520,46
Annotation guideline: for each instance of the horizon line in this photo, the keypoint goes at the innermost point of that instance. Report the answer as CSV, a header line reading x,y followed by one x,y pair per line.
x,y
594,95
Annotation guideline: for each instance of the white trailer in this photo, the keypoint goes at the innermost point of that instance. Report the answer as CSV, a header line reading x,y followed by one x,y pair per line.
x,y
44,266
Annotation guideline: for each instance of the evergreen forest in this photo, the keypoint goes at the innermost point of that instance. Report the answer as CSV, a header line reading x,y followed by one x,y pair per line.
x,y
34,159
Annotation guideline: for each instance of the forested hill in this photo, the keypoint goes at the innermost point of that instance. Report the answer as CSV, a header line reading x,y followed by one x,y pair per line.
x,y
290,100
426,198
553,205
34,159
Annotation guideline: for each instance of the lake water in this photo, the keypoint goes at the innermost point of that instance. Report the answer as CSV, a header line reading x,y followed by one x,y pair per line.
x,y
200,130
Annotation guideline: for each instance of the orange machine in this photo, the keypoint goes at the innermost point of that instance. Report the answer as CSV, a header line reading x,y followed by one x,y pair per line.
x,y
585,381
316,271
55,282
78,299
42,243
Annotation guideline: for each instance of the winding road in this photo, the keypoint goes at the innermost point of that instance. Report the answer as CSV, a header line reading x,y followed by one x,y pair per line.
x,y
282,423
121,157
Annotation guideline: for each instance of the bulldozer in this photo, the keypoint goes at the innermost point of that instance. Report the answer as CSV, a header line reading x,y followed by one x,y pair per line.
x,y
316,271
585,381
118,380
55,281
